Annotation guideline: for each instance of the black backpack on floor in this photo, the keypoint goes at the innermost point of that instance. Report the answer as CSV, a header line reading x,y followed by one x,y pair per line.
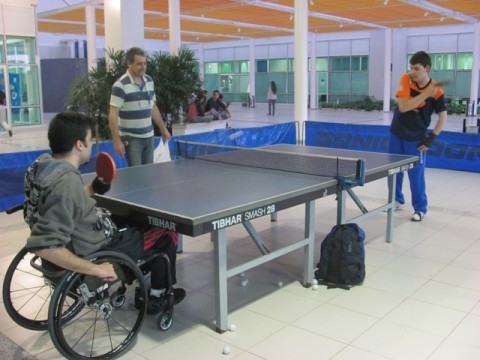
x,y
342,257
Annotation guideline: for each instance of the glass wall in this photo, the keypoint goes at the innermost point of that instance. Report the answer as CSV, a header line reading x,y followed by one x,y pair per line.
x,y
347,78
231,78
23,79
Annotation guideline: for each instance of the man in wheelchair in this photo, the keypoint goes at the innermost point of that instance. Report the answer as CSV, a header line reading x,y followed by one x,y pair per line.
x,y
66,224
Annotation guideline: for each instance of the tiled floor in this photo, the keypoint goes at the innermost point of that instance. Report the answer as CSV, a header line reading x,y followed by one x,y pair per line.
x,y
420,299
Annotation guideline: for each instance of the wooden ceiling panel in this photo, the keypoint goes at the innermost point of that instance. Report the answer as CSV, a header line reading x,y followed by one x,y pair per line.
x,y
234,19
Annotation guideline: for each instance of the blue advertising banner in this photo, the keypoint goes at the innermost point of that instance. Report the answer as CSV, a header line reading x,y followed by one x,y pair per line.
x,y
451,150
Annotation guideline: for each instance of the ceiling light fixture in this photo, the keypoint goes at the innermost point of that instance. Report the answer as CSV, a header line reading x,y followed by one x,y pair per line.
x,y
291,17
385,2
340,26
311,3
442,18
426,13
239,30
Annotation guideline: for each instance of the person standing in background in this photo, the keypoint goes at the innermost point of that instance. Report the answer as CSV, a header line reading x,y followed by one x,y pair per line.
x,y
132,108
272,98
3,103
418,97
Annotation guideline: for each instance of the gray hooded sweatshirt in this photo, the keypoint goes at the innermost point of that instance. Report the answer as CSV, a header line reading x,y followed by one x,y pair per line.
x,y
59,211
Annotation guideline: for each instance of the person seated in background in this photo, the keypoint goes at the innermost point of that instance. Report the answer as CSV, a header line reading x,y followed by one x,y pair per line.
x,y
65,223
217,107
196,110
225,103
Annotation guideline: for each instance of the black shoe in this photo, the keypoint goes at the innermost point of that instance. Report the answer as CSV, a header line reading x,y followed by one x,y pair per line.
x,y
10,133
269,114
157,305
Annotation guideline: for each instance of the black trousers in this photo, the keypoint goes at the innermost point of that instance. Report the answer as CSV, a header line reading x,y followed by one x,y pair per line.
x,y
130,242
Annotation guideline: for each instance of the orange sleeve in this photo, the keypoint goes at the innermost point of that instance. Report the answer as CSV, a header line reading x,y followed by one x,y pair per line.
x,y
403,90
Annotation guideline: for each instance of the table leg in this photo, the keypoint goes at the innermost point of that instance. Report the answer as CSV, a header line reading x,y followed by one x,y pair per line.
x,y
392,180
219,238
310,248
341,204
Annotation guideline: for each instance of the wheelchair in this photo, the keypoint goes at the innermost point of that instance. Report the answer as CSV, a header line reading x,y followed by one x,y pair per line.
x,y
86,317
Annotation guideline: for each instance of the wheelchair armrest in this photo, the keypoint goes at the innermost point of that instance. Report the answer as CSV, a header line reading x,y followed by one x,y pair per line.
x,y
48,273
14,209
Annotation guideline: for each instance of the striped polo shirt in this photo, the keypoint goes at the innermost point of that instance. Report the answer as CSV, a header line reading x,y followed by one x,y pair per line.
x,y
135,103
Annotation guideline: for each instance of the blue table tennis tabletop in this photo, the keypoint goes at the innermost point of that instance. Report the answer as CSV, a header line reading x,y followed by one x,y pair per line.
x,y
195,197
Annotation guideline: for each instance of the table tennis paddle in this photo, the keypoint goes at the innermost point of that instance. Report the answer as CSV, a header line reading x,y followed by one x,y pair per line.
x,y
443,83
105,167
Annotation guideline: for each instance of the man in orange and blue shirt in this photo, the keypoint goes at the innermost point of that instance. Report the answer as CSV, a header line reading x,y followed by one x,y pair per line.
x,y
418,97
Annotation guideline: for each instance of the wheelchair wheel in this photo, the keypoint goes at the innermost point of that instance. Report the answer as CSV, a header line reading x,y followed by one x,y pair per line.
x,y
26,294
105,327
165,320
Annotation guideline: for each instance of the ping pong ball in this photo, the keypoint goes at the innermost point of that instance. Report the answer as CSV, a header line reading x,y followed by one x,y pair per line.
x,y
244,282
314,282
315,287
232,327
226,350
280,284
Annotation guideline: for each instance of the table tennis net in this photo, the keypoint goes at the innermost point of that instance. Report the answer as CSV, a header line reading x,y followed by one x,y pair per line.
x,y
347,169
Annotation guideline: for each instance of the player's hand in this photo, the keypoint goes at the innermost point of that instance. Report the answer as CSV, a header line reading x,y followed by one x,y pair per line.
x,y
99,186
427,142
119,148
106,272
166,134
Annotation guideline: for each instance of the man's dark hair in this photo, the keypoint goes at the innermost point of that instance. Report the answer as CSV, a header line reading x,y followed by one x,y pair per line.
x,y
66,128
216,92
421,58
130,55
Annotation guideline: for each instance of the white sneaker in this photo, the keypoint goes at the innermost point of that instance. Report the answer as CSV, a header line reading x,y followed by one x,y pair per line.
x,y
417,216
396,207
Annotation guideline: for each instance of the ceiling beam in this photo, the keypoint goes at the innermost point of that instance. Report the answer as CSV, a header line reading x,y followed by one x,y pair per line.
x,y
290,10
222,22
445,12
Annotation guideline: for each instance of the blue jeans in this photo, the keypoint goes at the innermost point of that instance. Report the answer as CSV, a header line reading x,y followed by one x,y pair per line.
x,y
138,151
416,175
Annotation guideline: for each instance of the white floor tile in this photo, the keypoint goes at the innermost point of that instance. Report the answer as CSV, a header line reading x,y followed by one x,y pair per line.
x,y
306,345
396,341
393,282
446,295
426,317
451,350
367,301
467,331
329,321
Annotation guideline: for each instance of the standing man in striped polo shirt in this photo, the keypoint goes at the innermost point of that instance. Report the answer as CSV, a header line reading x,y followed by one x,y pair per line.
x,y
132,108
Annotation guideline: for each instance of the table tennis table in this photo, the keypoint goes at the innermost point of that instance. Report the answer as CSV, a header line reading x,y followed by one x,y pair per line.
x,y
195,197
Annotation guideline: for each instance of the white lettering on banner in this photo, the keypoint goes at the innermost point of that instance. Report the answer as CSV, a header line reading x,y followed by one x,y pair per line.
x,y
246,216
169,225
400,169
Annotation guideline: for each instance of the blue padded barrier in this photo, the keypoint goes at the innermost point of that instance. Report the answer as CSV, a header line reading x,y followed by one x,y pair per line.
x,y
451,150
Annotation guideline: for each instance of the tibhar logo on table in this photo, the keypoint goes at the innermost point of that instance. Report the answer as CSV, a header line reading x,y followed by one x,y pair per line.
x,y
169,225
400,169
245,216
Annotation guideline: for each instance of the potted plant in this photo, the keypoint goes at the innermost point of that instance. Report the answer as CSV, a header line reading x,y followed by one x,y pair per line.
x,y
176,79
